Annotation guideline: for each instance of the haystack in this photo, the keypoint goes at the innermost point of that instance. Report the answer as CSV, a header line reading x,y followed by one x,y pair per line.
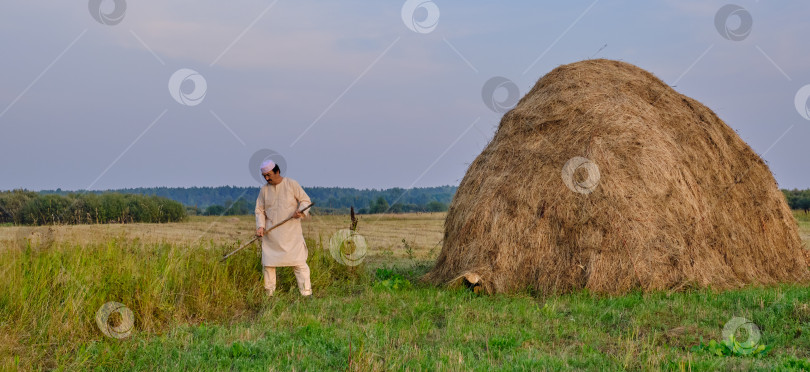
x,y
603,177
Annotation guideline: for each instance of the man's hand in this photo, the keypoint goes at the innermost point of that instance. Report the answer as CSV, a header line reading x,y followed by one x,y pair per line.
x,y
297,214
260,231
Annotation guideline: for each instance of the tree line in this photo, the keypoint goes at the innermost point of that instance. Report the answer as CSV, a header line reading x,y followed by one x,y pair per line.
x,y
234,200
21,207
798,199
379,205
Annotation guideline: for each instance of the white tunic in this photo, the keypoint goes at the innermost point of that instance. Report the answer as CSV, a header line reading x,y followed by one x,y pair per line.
x,y
284,246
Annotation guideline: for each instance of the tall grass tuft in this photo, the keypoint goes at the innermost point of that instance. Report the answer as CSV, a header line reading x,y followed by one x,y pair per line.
x,y
49,294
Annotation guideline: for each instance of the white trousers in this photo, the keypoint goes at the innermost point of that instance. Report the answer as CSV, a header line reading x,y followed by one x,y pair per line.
x,y
301,275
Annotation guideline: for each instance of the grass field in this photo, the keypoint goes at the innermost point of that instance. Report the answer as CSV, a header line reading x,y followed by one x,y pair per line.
x,y
192,312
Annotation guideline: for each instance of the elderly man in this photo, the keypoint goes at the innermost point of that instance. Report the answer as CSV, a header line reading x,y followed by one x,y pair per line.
x,y
279,199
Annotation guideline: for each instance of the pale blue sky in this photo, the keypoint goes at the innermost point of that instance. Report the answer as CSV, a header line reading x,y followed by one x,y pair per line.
x,y
346,92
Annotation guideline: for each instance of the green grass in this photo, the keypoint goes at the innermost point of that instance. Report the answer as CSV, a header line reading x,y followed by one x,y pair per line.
x,y
193,313
428,329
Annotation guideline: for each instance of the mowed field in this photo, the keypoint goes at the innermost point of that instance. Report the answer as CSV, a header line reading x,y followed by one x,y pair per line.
x,y
383,233
192,312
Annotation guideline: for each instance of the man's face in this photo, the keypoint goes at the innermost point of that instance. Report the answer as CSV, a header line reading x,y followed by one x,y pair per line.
x,y
272,178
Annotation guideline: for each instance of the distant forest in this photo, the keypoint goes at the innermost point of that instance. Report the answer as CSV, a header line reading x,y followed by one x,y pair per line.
x,y
233,200
798,199
20,207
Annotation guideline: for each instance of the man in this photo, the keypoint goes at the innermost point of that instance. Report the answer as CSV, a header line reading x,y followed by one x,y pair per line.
x,y
279,199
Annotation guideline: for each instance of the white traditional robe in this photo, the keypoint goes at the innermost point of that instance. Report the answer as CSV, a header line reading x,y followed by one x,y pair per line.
x,y
284,246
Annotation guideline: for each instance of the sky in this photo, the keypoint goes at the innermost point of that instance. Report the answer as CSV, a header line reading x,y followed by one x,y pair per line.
x,y
106,94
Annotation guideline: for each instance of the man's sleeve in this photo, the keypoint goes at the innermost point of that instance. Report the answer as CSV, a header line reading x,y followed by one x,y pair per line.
x,y
260,215
302,198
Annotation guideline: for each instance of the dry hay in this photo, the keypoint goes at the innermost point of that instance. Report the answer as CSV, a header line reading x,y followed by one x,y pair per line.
x,y
678,199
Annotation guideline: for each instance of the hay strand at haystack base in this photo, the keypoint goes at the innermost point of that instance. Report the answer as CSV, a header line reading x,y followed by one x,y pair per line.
x,y
603,177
